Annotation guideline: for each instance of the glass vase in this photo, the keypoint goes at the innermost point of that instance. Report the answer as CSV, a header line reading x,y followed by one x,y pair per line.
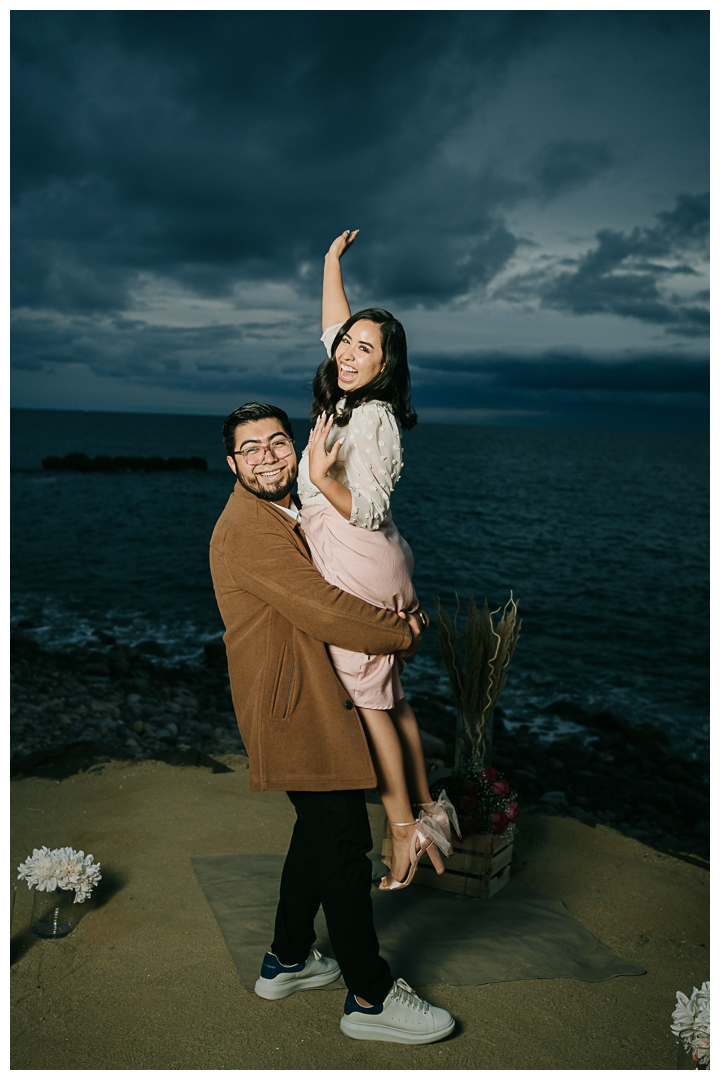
x,y
54,915
686,1059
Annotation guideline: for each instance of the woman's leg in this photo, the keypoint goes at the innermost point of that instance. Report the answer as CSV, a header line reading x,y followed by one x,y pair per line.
x,y
387,754
406,726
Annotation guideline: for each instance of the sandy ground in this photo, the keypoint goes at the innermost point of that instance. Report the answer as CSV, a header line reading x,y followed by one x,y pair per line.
x,y
145,981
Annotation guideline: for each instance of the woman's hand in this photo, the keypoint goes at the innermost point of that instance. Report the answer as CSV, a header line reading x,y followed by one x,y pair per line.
x,y
320,460
340,245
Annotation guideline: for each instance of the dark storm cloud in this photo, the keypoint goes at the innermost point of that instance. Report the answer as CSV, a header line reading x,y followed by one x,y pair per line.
x,y
207,359
213,146
625,273
217,146
222,151
645,392
555,371
567,164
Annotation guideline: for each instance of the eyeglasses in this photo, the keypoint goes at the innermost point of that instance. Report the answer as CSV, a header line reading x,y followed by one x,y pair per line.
x,y
254,455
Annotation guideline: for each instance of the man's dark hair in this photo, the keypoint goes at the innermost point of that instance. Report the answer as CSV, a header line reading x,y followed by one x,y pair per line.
x,y
391,385
245,414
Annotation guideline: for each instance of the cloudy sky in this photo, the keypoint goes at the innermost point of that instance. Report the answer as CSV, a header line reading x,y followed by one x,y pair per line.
x,y
531,190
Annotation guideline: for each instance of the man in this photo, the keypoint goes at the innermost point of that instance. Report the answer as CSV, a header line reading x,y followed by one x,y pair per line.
x,y
302,733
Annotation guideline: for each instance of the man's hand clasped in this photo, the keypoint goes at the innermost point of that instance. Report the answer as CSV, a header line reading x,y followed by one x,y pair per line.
x,y
417,621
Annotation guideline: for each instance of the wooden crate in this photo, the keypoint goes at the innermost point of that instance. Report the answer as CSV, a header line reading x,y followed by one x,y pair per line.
x,y
479,866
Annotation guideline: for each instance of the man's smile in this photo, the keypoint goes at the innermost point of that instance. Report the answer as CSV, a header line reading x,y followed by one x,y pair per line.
x,y
272,477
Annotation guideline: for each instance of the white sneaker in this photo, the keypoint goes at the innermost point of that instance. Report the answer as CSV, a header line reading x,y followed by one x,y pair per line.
x,y
277,981
403,1017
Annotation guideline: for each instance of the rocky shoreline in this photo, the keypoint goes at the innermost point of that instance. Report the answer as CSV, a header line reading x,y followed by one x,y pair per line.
x,y
607,773
123,702
120,697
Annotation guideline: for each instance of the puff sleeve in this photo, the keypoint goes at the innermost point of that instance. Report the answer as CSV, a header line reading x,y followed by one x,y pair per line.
x,y
373,461
328,336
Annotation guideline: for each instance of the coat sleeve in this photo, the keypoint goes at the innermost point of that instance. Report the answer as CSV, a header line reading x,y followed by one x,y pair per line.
x,y
265,561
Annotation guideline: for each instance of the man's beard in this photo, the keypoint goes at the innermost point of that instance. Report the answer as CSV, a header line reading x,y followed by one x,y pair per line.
x,y
272,494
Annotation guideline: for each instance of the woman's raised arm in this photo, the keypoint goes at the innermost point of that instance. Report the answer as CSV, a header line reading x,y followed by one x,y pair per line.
x,y
335,308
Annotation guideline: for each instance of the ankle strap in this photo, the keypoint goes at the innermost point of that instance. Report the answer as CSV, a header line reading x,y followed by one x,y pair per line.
x,y
398,823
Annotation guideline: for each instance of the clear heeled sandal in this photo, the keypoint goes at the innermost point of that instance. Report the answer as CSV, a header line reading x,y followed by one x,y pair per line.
x,y
443,812
427,839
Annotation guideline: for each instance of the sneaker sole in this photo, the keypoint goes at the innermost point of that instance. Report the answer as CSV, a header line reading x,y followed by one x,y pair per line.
x,y
272,991
379,1033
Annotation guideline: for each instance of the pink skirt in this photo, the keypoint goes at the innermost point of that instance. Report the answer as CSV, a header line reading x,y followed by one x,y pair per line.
x,y
377,566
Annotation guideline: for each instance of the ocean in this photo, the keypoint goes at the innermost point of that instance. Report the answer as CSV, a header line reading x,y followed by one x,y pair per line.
x,y
601,536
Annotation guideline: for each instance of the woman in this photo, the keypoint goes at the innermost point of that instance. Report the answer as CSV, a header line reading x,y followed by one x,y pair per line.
x,y
346,476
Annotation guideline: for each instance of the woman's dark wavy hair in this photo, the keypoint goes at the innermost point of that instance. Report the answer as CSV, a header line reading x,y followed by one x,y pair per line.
x,y
391,385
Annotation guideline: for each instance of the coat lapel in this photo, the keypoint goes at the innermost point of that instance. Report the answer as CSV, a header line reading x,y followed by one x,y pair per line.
x,y
288,523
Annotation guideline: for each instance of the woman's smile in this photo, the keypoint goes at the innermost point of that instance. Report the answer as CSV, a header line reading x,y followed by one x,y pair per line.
x,y
359,355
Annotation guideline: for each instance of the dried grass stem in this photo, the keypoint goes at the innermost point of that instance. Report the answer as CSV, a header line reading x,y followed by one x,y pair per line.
x,y
488,652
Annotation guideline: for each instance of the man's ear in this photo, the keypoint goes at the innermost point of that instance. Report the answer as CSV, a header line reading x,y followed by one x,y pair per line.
x,y
231,463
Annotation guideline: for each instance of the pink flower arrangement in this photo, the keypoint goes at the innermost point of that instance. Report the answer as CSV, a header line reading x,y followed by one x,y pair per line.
x,y
498,822
485,801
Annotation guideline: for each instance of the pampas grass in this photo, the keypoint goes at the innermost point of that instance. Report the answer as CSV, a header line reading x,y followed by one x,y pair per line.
x,y
476,688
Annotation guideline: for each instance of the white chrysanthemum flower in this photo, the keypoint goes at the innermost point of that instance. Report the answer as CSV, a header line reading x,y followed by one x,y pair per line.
x,y
62,868
691,1022
40,870
683,1017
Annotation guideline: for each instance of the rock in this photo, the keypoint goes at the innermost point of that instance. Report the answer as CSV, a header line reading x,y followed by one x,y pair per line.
x,y
21,642
432,745
558,798
566,710
151,648
215,654
79,462
187,700
606,721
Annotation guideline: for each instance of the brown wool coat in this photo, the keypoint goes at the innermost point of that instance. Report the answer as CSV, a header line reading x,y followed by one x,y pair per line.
x,y
299,727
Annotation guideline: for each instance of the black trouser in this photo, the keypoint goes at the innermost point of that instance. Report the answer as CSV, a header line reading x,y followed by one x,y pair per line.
x,y
327,864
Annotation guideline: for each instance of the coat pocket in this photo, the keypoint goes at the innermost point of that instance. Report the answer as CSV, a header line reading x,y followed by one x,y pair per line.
x,y
282,700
